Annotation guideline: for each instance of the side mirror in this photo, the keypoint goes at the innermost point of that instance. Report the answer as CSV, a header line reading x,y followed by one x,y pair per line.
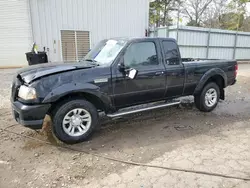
x,y
132,73
126,71
121,67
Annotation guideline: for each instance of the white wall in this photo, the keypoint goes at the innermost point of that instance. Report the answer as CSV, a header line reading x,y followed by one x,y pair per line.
x,y
15,32
103,18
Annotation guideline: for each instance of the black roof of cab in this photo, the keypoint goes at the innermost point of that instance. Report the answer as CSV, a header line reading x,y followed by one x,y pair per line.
x,y
130,39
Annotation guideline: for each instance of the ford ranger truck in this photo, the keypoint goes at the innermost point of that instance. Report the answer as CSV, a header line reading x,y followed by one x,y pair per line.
x,y
116,74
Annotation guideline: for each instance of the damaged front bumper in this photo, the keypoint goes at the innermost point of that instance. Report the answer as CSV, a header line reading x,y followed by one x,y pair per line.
x,y
30,116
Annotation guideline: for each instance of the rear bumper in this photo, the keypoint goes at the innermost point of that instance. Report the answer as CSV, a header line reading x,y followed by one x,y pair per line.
x,y
234,82
30,116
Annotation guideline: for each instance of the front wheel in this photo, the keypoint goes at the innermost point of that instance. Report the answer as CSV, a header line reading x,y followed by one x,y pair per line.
x,y
208,99
75,121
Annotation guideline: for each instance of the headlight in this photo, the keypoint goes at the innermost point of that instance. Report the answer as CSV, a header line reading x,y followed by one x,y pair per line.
x,y
27,93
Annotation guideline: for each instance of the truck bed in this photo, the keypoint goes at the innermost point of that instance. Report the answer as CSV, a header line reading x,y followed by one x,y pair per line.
x,y
197,68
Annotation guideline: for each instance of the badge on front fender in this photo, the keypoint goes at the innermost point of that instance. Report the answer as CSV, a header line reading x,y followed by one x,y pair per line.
x,y
101,80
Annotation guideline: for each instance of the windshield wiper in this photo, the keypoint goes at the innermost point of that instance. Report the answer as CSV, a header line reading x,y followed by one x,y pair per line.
x,y
92,61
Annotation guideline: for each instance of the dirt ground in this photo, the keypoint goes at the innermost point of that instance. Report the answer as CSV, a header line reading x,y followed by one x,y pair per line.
x,y
178,137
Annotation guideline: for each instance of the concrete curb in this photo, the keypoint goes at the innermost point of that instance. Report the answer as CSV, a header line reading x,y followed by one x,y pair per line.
x,y
11,67
243,62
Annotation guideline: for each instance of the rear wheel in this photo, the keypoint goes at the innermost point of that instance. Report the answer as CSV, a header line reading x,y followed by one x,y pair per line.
x,y
208,99
75,121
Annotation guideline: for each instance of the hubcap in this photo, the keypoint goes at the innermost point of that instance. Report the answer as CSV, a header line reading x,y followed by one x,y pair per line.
x,y
211,97
77,122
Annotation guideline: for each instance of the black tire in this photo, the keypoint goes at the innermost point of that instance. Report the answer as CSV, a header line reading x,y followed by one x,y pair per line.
x,y
200,99
62,110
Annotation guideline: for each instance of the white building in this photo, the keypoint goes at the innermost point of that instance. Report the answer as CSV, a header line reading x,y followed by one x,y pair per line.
x,y
67,29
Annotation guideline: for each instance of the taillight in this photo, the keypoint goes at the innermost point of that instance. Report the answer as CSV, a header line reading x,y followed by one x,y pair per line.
x,y
236,70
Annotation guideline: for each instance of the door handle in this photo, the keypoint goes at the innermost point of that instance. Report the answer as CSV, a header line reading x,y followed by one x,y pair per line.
x,y
174,74
159,73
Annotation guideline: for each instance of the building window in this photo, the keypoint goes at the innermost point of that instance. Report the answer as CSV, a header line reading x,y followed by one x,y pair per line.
x,y
75,44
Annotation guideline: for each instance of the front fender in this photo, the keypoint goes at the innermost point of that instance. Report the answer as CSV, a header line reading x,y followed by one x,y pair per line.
x,y
209,74
72,88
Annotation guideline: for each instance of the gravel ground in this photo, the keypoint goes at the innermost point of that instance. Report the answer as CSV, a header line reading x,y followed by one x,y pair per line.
x,y
177,137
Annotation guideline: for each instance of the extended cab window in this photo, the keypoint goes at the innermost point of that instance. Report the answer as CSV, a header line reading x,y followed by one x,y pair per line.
x,y
171,53
141,54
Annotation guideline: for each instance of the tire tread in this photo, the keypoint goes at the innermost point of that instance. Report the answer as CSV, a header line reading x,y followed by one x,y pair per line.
x,y
59,113
199,99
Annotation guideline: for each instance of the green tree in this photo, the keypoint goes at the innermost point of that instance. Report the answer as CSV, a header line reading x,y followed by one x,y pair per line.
x,y
235,18
229,14
159,12
231,21
155,12
246,24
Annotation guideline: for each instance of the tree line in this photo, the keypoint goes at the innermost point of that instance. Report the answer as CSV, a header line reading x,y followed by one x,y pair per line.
x,y
222,14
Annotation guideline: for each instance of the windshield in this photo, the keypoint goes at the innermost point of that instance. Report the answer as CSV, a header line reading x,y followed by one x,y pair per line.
x,y
105,51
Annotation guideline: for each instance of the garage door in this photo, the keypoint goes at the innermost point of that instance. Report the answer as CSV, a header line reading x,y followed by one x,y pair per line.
x,y
15,32
75,44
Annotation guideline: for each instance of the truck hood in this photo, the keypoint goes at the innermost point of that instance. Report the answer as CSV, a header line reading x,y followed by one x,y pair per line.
x,y
34,72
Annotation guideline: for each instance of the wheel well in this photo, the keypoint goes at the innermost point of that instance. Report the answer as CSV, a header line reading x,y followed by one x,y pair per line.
x,y
218,79
89,97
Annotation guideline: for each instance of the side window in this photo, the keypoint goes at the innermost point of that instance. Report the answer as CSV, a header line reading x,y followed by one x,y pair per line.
x,y
141,54
171,53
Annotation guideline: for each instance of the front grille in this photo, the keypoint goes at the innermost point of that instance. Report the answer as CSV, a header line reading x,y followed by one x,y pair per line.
x,y
14,89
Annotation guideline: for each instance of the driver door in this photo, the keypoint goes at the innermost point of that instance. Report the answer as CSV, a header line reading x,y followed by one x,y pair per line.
x,y
150,81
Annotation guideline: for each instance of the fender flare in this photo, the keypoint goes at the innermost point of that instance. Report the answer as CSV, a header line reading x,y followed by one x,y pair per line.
x,y
210,73
74,88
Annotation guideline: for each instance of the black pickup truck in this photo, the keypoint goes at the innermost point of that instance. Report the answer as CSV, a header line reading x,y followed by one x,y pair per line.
x,y
115,74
